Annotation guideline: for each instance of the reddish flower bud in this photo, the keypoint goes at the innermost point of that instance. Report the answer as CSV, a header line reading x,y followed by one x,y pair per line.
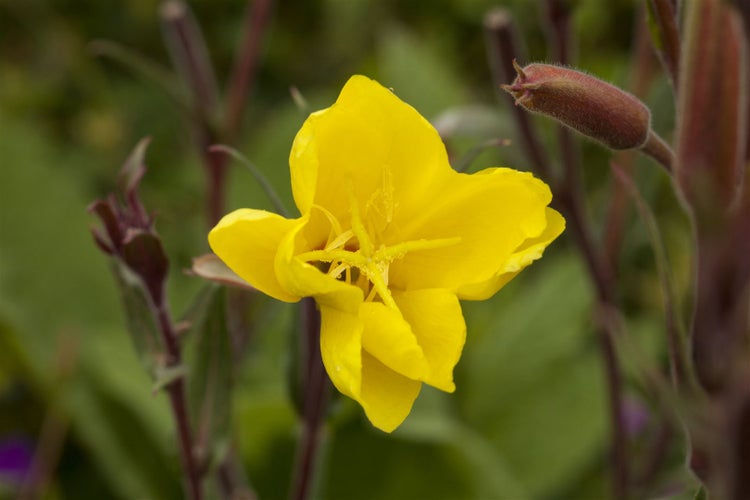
x,y
129,234
586,104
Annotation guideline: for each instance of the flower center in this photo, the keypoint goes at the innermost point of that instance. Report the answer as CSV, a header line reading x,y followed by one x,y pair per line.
x,y
351,256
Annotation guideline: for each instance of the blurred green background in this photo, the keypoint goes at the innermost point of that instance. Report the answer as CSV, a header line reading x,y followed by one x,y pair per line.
x,y
529,418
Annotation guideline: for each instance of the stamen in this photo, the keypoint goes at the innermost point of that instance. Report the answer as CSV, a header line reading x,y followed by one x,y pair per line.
x,y
365,268
398,250
365,245
336,271
331,218
343,256
371,295
340,240
379,284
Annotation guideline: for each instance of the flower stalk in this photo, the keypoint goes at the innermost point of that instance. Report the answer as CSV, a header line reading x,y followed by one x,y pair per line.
x,y
192,62
504,47
315,390
560,43
130,239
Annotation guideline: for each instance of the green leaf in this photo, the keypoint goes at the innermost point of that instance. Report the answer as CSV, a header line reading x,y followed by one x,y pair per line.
x,y
166,375
210,374
491,473
366,464
701,494
433,87
676,330
134,168
142,326
653,27
530,380
257,174
52,276
144,67
126,449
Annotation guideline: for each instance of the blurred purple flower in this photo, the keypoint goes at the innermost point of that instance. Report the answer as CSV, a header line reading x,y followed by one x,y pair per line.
x,y
635,416
16,455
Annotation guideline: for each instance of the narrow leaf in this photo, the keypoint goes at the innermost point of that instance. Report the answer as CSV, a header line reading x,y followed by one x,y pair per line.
x,y
676,329
256,173
210,377
166,375
142,327
133,169
142,66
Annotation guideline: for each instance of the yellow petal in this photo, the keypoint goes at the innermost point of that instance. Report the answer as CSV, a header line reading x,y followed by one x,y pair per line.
x,y
387,396
389,338
437,321
373,144
531,250
492,212
305,280
341,349
247,241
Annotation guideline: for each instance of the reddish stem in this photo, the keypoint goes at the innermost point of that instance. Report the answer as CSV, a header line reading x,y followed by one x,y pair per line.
x,y
560,45
176,393
316,396
246,63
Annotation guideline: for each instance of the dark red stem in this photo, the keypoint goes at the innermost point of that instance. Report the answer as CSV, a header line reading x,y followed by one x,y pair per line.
x,y
503,48
316,396
246,63
560,46
176,392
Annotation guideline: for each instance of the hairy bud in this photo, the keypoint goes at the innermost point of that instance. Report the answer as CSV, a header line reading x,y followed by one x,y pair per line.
x,y
586,104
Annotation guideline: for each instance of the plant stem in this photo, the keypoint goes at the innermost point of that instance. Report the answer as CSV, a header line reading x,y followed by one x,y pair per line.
x,y
176,392
55,425
257,19
502,49
656,148
216,169
190,56
231,480
601,276
243,76
559,42
316,395
643,66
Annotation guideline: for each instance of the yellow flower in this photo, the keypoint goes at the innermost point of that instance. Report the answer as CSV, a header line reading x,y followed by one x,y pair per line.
x,y
390,238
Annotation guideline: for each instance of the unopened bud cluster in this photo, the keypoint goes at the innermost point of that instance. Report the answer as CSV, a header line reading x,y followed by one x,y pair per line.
x,y
586,104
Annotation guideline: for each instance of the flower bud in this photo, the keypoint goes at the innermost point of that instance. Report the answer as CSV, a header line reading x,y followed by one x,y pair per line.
x,y
586,104
129,234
